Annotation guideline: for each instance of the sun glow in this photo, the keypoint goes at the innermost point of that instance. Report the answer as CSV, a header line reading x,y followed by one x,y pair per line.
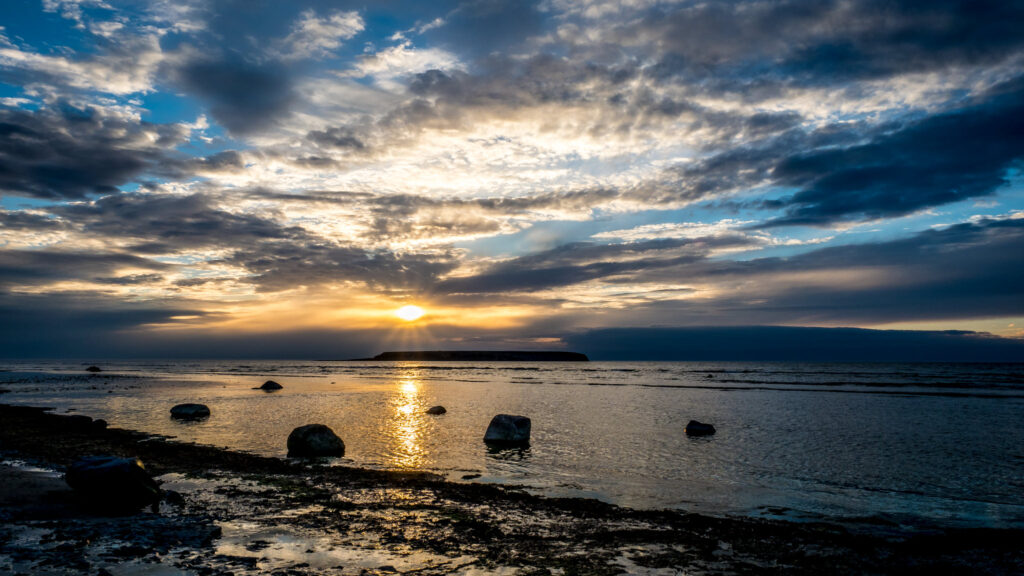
x,y
409,313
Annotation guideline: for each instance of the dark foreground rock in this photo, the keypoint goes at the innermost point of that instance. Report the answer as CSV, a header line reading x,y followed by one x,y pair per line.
x,y
694,428
436,410
93,369
190,411
314,440
113,484
269,386
421,525
508,429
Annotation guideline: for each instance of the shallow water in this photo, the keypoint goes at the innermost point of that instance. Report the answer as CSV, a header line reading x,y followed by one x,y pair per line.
x,y
939,443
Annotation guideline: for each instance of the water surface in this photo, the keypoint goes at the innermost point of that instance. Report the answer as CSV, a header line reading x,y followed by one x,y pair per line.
x,y
921,443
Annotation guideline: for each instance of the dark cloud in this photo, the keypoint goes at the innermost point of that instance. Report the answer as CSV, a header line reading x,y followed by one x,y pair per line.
x,y
159,223
480,27
244,97
28,221
940,159
738,46
277,256
227,161
577,263
40,267
336,137
130,279
77,325
287,266
794,344
973,270
70,153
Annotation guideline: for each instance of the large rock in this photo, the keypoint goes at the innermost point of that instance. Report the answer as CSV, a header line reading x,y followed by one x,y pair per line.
x,y
269,386
436,410
93,369
112,484
78,422
313,440
190,411
694,428
508,429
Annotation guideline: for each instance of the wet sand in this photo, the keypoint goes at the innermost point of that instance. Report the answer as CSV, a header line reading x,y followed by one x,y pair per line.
x,y
232,513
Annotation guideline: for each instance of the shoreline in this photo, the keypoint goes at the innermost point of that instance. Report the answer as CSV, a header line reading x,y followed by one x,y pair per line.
x,y
440,527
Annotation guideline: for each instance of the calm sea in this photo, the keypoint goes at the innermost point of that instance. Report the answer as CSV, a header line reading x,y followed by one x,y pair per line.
x,y
907,443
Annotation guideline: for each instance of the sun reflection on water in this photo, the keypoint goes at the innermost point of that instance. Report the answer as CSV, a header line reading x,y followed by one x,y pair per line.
x,y
406,422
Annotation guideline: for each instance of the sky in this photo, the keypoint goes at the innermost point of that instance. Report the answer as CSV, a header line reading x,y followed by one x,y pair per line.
x,y
251,177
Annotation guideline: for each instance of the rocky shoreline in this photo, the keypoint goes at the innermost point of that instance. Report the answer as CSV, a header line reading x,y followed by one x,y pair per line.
x,y
226,512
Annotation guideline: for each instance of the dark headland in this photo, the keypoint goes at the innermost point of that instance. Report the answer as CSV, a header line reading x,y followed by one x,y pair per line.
x,y
482,356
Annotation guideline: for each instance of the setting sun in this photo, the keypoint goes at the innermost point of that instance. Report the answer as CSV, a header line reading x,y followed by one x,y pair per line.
x,y
409,313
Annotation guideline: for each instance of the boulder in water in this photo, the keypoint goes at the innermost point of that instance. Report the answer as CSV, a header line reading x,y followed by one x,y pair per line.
x,y
269,386
694,428
508,429
190,411
314,440
436,410
112,484
93,369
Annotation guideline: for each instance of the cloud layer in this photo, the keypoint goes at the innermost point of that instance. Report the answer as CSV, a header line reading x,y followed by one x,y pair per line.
x,y
528,171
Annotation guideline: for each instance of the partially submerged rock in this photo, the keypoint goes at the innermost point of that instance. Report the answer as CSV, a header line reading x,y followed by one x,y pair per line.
x,y
113,484
314,440
269,386
694,428
93,369
508,429
436,410
190,411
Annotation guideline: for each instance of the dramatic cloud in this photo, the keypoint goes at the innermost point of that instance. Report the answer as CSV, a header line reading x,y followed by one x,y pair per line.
x,y
525,171
244,97
70,152
938,160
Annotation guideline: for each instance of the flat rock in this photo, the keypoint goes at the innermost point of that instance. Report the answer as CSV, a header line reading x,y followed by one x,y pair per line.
x,y
93,369
314,440
190,411
112,484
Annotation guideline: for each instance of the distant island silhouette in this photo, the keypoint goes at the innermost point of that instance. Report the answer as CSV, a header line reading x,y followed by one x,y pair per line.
x,y
483,356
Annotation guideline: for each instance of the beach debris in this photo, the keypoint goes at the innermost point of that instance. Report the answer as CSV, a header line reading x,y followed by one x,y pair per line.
x,y
436,410
508,429
93,369
269,386
114,484
313,440
694,428
190,411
